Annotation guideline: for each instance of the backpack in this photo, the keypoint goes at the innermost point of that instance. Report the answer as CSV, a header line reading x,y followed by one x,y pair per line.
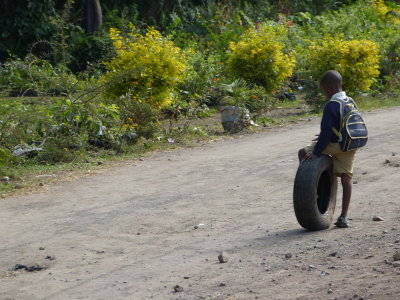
x,y
353,133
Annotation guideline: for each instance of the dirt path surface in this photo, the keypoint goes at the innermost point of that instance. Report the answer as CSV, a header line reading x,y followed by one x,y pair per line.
x,y
137,231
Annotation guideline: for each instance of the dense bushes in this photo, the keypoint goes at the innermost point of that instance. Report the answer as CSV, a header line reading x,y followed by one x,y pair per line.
x,y
388,13
259,58
141,78
390,64
360,21
356,60
33,76
148,67
23,23
108,90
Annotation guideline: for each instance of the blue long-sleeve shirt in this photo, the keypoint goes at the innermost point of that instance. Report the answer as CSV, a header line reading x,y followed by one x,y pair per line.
x,y
330,118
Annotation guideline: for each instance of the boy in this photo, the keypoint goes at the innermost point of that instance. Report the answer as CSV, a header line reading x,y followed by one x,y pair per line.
x,y
327,141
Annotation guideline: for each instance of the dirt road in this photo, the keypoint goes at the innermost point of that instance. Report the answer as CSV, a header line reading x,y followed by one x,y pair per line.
x,y
137,231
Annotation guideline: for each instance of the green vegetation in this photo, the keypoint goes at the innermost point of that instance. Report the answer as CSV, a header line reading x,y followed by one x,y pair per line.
x,y
258,57
366,103
152,75
356,60
148,67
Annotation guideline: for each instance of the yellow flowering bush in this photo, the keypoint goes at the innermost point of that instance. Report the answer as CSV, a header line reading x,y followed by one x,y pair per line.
x,y
356,60
258,57
147,67
386,12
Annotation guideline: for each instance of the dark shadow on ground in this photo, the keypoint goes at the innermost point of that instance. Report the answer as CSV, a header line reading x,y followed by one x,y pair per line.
x,y
283,237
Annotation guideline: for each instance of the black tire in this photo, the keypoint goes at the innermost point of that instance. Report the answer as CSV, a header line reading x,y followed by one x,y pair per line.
x,y
314,193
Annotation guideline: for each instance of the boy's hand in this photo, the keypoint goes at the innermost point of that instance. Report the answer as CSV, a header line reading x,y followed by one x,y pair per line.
x,y
310,156
316,139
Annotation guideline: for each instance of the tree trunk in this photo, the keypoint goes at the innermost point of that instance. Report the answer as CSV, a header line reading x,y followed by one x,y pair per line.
x,y
93,16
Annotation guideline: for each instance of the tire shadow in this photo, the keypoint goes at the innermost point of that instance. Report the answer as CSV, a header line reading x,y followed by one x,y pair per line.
x,y
282,237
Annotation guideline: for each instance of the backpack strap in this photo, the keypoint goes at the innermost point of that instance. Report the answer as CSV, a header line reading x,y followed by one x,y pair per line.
x,y
339,135
335,131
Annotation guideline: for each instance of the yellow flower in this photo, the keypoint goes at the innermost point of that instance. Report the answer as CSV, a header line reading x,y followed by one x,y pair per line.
x,y
143,61
258,56
356,60
384,11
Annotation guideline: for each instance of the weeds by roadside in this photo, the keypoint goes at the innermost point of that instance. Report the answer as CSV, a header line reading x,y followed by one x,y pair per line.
x,y
31,175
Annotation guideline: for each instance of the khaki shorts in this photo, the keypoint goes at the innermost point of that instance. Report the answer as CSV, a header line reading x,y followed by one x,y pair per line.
x,y
342,161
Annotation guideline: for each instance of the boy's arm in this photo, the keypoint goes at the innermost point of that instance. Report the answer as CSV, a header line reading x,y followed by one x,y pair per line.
x,y
330,114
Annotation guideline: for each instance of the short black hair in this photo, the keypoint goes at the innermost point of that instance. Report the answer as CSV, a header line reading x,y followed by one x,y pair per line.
x,y
331,78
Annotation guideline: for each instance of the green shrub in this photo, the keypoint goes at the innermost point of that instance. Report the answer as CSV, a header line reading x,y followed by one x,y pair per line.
x,y
147,67
24,23
259,57
206,69
33,76
356,60
5,157
88,50
316,6
57,123
361,21
61,149
137,117
142,79
387,13
22,121
390,64
252,97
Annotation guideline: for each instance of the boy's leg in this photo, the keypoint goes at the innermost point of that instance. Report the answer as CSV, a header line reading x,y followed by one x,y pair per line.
x,y
347,188
342,221
343,167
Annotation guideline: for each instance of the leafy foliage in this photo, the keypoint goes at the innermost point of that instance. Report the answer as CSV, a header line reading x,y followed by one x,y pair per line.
x,y
316,7
356,60
205,71
147,67
23,23
252,97
204,54
259,58
387,13
5,158
33,77
390,63
89,50
142,77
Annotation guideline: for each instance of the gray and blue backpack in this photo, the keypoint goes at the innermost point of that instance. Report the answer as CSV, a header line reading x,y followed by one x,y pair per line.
x,y
353,133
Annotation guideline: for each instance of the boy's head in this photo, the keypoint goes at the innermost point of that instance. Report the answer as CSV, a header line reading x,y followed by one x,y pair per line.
x,y
331,83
